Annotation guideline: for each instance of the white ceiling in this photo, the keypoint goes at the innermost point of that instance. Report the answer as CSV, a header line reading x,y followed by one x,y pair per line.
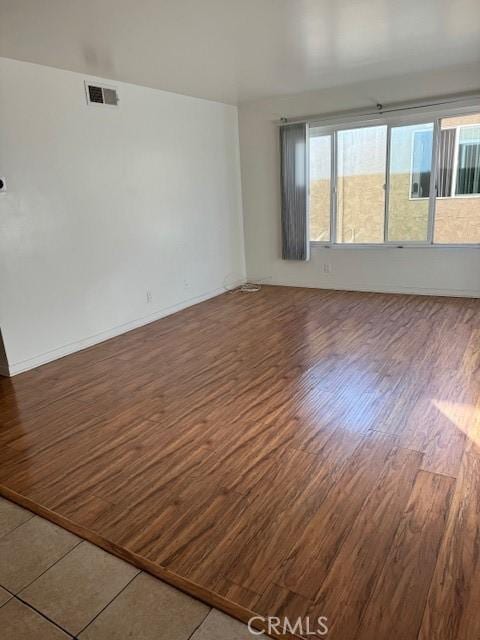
x,y
236,50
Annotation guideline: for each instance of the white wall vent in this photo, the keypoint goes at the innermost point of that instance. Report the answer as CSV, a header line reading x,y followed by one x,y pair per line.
x,y
103,95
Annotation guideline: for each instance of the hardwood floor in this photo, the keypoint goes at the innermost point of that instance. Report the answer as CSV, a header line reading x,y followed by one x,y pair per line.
x,y
292,452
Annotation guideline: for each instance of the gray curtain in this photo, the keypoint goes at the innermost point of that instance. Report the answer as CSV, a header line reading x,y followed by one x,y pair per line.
x,y
294,175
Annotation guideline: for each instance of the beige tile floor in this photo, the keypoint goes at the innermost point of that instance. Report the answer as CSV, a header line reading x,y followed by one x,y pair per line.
x,y
54,585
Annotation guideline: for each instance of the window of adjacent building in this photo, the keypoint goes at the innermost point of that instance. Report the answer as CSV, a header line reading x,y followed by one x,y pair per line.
x,y
468,162
409,183
421,154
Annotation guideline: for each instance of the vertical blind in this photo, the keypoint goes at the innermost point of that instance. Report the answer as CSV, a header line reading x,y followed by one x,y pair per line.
x,y
469,161
294,175
445,163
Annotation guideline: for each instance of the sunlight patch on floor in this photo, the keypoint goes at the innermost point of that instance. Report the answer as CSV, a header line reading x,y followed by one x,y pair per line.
x,y
464,416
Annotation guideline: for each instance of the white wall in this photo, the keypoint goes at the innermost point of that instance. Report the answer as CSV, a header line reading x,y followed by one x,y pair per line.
x,y
103,204
437,270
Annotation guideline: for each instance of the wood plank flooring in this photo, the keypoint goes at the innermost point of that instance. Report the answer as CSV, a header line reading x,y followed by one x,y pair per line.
x,y
293,452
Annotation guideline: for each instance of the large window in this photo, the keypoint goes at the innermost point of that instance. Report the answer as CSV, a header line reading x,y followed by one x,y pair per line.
x,y
416,183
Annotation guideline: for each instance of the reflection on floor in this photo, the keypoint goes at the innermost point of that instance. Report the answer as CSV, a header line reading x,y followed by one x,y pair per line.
x,y
292,452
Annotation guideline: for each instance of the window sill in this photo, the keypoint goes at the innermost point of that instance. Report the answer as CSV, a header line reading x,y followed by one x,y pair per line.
x,y
391,245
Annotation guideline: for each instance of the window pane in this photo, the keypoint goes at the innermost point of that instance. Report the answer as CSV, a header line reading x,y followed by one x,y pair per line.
x,y
457,213
410,168
320,181
361,158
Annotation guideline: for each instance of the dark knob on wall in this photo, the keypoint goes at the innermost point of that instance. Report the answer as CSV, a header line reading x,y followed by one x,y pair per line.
x,y
3,185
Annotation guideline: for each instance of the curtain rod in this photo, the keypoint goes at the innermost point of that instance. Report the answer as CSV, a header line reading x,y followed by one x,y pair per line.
x,y
460,100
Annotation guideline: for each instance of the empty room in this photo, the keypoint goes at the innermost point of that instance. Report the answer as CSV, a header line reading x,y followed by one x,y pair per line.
x,y
239,319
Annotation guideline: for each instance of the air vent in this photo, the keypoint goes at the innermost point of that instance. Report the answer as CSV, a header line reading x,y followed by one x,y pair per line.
x,y
101,95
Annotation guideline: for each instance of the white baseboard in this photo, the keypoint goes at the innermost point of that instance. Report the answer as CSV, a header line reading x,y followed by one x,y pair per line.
x,y
65,350
25,365
419,291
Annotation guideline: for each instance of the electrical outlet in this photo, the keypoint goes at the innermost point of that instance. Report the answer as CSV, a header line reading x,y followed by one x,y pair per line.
x,y
149,296
327,267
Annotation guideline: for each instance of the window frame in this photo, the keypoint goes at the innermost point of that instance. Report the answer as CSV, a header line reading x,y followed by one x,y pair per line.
x,y
391,121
